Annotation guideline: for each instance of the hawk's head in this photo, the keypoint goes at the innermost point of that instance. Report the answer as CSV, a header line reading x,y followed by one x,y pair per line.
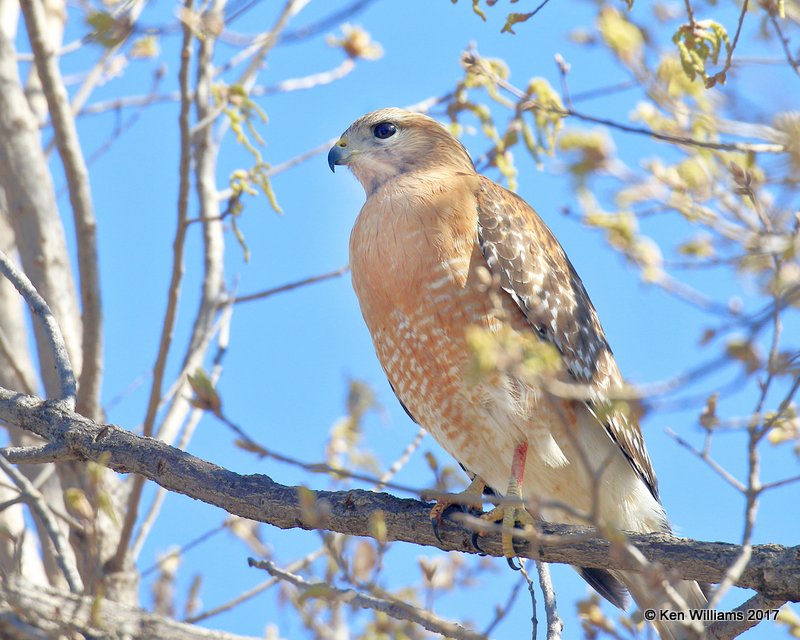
x,y
388,143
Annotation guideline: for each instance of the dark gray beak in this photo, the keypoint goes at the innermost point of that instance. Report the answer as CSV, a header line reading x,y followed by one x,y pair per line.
x,y
339,154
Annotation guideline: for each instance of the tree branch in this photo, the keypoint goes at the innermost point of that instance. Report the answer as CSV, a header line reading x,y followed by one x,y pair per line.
x,y
773,571
174,292
34,499
41,310
33,214
291,285
77,175
52,452
26,609
394,608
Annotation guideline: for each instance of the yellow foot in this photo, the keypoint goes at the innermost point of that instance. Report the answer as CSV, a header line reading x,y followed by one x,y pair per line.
x,y
509,515
468,500
512,509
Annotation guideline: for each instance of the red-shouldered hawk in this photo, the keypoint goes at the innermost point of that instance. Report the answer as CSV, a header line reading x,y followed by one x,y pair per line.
x,y
420,249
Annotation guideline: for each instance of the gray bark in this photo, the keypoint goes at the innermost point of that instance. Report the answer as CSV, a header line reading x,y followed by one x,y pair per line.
x,y
774,570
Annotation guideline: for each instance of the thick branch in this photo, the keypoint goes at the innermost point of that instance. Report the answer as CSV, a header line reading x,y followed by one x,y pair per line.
x,y
773,571
69,148
31,202
26,609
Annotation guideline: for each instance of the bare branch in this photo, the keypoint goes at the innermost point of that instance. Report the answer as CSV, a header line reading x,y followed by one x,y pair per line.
x,y
53,452
173,295
394,608
56,613
297,565
291,285
292,84
42,312
773,571
266,41
471,57
720,75
793,62
35,500
554,623
21,372
33,214
705,457
77,175
326,23
732,628
70,47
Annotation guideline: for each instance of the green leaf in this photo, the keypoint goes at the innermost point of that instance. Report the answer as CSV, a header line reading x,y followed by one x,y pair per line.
x,y
205,396
515,18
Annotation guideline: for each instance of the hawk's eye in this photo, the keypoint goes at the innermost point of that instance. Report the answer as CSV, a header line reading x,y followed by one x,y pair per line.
x,y
384,130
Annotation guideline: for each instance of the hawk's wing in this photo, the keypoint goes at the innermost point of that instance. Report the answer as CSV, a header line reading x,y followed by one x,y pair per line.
x,y
534,270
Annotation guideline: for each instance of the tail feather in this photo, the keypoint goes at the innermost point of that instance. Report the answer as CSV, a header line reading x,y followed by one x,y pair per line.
x,y
606,584
648,597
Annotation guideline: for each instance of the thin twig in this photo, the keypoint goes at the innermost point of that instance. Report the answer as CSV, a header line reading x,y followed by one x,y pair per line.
x,y
174,288
41,310
70,47
303,562
325,24
705,457
602,92
502,611
9,355
194,542
122,127
302,83
249,444
473,58
779,483
692,296
394,608
264,44
729,59
690,14
35,500
794,62
532,592
297,565
745,147
223,333
402,460
291,285
755,431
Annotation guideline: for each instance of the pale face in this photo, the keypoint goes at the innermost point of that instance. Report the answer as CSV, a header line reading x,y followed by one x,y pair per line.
x,y
388,143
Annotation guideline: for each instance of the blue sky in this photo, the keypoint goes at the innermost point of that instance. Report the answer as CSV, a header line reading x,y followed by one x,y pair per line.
x,y
291,356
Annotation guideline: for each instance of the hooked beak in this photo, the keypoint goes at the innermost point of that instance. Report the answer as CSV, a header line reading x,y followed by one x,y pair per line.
x,y
339,154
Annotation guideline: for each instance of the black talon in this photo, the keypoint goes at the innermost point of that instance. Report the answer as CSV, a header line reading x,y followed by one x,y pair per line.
x,y
476,546
435,526
510,561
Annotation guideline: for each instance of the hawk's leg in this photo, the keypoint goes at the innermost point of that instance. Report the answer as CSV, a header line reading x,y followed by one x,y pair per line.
x,y
471,499
512,510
